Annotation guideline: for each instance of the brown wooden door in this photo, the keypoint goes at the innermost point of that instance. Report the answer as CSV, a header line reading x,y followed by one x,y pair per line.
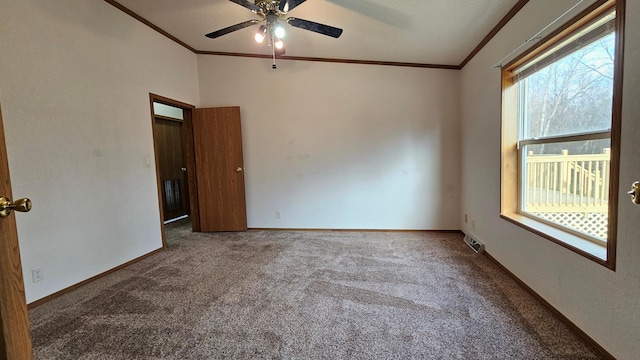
x,y
217,140
171,163
15,341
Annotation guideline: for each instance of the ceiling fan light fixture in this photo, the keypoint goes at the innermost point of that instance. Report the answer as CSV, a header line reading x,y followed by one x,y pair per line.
x,y
261,33
273,14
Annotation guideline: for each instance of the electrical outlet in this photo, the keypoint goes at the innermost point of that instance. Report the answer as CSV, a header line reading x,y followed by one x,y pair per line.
x,y
37,275
278,215
473,224
466,219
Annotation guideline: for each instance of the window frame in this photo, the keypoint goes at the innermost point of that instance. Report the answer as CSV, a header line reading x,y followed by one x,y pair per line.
x,y
512,145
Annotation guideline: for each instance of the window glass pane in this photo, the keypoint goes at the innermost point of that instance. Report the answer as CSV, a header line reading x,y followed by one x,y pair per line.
x,y
168,111
568,184
572,95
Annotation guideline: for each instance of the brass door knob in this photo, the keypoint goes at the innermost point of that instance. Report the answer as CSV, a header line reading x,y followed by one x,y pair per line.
x,y
238,169
6,205
635,192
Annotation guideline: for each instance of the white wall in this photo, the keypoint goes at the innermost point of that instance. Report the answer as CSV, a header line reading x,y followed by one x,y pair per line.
x,y
74,85
603,303
343,146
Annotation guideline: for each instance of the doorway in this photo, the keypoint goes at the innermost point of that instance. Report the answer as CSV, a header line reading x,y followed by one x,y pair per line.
x,y
199,165
175,171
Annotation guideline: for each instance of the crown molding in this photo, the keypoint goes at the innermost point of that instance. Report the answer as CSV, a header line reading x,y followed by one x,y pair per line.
x,y
471,55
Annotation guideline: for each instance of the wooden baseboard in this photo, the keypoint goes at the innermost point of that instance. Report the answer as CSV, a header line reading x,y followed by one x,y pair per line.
x,y
356,230
48,298
581,334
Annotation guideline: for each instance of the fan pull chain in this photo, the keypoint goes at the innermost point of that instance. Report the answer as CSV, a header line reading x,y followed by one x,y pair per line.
x,y
273,52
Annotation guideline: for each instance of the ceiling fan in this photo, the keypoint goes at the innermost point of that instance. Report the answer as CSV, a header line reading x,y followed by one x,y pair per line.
x,y
273,14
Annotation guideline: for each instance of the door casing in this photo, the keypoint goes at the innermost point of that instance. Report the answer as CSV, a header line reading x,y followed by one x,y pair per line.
x,y
187,150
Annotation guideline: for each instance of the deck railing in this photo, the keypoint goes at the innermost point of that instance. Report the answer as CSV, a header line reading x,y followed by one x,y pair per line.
x,y
569,189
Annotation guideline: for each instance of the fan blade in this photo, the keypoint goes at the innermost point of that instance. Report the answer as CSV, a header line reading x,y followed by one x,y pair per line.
x,y
315,27
249,5
231,28
288,5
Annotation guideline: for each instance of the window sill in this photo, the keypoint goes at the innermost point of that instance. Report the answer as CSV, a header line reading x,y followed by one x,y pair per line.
x,y
586,248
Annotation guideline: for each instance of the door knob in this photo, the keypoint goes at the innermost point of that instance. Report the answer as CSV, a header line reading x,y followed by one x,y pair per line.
x,y
635,192
238,169
183,169
22,205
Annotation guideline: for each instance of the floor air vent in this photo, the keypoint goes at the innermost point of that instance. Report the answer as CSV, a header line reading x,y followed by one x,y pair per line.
x,y
474,244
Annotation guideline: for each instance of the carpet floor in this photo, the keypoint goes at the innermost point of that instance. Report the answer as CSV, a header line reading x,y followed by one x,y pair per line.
x,y
304,295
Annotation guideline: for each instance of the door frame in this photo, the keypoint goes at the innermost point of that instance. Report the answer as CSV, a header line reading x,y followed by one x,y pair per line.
x,y
188,153
15,339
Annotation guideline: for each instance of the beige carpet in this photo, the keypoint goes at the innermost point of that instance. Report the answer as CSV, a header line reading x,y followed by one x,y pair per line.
x,y
304,295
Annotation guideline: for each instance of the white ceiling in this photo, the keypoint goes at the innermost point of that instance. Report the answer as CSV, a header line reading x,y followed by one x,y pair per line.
x,y
418,31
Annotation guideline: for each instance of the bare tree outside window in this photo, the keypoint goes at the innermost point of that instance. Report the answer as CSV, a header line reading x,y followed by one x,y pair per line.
x,y
572,95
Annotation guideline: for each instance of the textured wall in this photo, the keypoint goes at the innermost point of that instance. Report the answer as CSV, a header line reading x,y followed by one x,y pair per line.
x,y
74,85
343,146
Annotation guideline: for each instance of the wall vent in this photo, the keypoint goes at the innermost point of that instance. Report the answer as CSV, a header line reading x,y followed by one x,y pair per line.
x,y
474,244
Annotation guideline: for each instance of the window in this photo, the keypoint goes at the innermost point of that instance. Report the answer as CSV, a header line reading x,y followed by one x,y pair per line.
x,y
560,131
